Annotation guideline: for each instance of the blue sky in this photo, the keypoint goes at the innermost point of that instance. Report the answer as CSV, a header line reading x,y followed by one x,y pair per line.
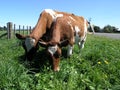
x,y
26,12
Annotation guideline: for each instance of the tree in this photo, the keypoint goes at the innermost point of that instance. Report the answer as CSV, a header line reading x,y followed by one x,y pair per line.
x,y
0,28
115,29
110,29
97,29
5,28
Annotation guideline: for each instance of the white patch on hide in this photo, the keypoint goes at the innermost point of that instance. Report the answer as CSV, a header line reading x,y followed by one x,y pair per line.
x,y
59,15
69,23
56,16
29,42
72,18
52,49
53,14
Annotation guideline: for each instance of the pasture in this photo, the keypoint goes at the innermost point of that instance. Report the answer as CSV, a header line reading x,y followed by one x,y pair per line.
x,y
97,68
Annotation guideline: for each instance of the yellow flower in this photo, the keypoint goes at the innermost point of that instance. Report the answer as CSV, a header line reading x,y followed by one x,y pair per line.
x,y
106,62
99,62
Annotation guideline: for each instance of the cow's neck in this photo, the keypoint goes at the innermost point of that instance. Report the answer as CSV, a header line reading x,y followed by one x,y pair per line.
x,y
39,29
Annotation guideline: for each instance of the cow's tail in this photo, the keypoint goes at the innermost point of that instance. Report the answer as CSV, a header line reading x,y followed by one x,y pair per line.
x,y
90,28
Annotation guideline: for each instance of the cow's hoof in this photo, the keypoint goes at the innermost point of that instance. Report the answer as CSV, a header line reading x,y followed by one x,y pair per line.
x,y
57,69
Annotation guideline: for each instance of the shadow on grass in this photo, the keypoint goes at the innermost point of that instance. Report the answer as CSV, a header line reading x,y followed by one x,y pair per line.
x,y
40,61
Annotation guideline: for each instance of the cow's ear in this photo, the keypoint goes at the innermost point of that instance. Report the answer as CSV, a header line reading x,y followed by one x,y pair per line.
x,y
43,44
63,43
19,36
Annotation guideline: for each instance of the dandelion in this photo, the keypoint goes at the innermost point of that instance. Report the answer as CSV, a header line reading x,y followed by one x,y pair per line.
x,y
99,62
106,62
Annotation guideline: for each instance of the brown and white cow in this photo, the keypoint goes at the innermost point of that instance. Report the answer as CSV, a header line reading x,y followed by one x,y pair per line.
x,y
66,31
30,42
56,29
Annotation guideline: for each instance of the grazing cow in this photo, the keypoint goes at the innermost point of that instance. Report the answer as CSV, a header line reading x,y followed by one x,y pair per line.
x,y
55,29
42,28
66,31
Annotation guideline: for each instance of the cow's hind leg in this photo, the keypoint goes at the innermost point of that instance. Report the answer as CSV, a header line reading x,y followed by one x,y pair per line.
x,y
70,50
70,46
81,44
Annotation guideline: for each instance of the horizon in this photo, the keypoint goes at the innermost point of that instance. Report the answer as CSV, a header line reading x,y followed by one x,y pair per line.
x,y
21,12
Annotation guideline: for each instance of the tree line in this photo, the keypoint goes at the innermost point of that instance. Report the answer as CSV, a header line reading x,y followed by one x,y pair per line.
x,y
3,28
106,29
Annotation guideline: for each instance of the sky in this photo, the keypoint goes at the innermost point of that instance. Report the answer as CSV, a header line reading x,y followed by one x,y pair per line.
x,y
26,12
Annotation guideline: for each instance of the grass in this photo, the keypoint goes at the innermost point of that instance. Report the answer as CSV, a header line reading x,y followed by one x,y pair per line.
x,y
97,68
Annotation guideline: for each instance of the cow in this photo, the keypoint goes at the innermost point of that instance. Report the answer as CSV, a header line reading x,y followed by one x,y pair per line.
x,y
66,31
40,31
54,30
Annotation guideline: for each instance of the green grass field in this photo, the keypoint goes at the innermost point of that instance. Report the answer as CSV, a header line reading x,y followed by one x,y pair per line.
x,y
97,68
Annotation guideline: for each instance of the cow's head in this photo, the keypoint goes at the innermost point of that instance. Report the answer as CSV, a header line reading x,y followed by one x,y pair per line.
x,y
29,44
54,50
